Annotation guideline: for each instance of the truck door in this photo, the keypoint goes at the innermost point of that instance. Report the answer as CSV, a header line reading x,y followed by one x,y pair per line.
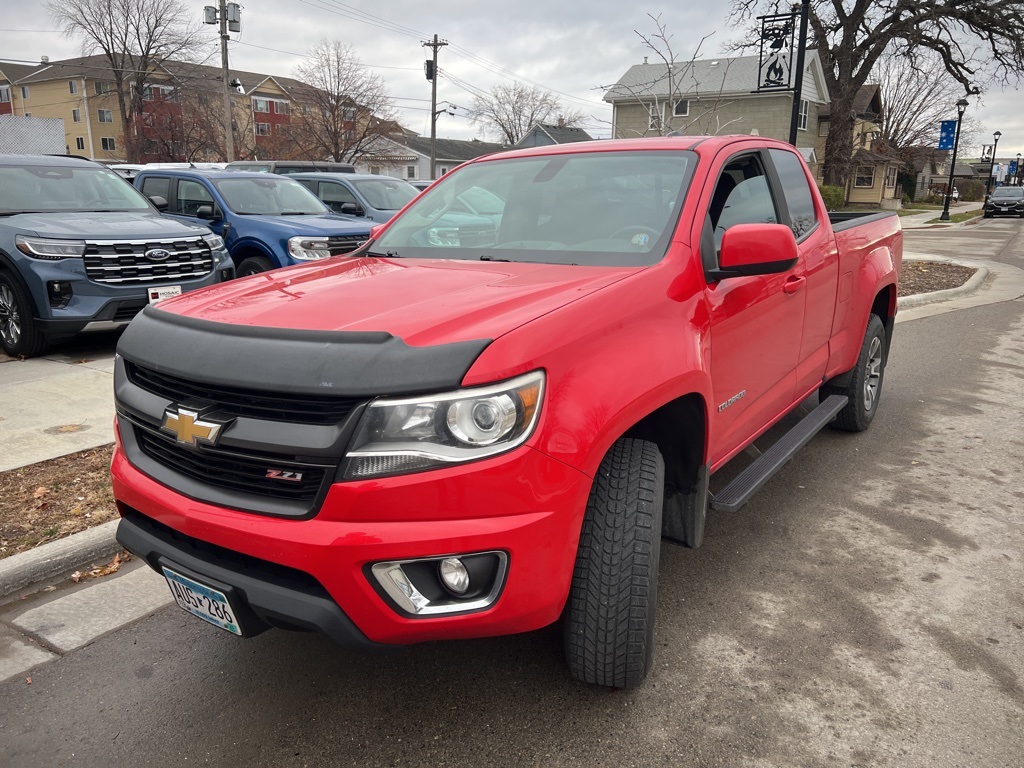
x,y
756,322
819,259
192,195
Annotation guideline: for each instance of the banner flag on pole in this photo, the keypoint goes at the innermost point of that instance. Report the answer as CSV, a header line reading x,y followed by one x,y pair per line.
x,y
947,134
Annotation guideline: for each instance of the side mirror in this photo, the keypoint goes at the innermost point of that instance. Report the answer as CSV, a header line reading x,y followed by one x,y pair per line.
x,y
206,212
352,209
756,249
158,202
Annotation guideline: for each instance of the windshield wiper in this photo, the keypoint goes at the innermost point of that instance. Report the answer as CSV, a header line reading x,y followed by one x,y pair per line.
x,y
386,255
18,213
488,257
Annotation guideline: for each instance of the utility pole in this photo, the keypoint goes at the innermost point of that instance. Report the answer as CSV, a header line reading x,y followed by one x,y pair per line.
x,y
229,16
431,71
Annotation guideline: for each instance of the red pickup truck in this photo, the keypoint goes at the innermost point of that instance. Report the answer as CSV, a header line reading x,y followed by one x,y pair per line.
x,y
464,430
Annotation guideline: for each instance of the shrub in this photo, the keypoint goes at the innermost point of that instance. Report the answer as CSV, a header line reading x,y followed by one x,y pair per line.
x,y
834,197
971,190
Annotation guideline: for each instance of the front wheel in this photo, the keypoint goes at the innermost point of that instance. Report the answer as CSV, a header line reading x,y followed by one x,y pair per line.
x,y
609,617
254,265
19,335
865,386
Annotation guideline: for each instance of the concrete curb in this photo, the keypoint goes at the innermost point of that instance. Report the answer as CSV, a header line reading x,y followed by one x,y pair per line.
x,y
920,299
57,558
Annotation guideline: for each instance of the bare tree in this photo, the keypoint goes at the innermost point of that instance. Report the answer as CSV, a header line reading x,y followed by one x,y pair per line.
x,y
349,107
135,37
184,125
675,78
509,111
916,98
974,39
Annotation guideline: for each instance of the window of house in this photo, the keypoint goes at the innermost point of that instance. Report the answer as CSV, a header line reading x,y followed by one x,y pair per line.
x,y
261,105
106,115
823,127
5,94
76,115
350,113
796,190
262,129
443,170
79,143
24,91
151,92
72,86
28,114
108,144
410,171
802,121
281,107
375,170
865,176
653,118
102,88
681,108
890,176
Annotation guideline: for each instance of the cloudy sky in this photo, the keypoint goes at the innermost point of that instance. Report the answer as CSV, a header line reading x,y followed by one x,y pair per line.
x,y
572,49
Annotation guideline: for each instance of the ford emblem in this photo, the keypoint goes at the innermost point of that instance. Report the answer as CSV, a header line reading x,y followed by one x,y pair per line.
x,y
158,254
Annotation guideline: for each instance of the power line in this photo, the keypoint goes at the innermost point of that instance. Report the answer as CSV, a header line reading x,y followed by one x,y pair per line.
x,y
305,55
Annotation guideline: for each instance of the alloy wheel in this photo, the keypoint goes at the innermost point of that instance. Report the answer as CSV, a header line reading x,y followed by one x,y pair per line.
x,y
873,377
10,318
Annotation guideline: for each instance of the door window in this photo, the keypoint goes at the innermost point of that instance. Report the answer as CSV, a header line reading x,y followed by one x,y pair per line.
x,y
742,196
335,195
802,218
191,195
156,186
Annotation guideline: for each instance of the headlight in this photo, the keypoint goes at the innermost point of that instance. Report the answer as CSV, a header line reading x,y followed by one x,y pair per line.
x,y
397,436
216,242
308,248
40,248
443,236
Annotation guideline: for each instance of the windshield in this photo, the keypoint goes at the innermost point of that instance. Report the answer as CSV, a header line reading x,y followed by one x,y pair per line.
x,y
44,189
598,208
386,194
1009,192
273,195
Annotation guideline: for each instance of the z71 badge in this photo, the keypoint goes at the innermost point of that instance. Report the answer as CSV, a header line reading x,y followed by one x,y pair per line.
x,y
282,474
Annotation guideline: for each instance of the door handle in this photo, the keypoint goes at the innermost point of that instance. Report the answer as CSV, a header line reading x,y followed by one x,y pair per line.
x,y
794,284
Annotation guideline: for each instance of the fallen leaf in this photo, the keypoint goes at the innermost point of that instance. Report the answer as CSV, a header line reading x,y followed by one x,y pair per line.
x,y
28,680
76,576
39,492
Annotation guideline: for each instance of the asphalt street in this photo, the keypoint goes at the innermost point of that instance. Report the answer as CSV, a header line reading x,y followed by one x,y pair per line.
x,y
864,609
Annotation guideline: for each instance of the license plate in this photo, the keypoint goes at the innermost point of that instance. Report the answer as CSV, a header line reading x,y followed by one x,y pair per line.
x,y
202,601
157,295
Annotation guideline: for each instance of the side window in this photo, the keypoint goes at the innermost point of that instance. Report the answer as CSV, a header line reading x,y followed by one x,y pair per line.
x,y
799,201
335,195
158,186
742,196
191,195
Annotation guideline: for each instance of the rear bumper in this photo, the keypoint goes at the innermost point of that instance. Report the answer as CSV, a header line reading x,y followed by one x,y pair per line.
x,y
315,573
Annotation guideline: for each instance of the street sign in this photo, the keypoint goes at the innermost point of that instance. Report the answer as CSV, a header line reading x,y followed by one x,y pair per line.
x,y
947,134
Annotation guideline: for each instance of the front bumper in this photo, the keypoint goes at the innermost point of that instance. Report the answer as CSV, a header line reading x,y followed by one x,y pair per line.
x,y
522,503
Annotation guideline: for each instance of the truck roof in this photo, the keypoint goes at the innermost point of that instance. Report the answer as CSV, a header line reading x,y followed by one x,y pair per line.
x,y
208,173
706,145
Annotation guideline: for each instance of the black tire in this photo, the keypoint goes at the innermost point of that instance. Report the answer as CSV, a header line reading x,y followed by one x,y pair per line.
x,y
609,616
254,265
865,387
19,334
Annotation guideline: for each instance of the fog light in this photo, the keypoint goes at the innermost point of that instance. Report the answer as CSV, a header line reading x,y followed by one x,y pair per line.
x,y
454,575
59,293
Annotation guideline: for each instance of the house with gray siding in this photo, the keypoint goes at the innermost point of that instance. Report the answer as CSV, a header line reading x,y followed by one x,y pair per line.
x,y
406,155
713,96
544,135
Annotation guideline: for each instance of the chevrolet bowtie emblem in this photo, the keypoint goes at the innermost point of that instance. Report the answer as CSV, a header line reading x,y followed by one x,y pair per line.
x,y
189,429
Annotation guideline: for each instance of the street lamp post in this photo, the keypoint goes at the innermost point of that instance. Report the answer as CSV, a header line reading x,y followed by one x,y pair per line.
x,y
992,169
1018,169
960,107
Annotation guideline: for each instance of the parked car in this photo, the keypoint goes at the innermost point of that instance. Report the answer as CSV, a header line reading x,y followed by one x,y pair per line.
x,y
372,197
81,250
267,221
1004,201
440,440
287,167
421,184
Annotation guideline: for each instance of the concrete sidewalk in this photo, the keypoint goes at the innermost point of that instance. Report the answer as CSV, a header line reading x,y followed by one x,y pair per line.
x,y
54,405
919,220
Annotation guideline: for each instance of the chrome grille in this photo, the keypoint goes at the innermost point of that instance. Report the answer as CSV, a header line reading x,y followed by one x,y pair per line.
x,y
124,262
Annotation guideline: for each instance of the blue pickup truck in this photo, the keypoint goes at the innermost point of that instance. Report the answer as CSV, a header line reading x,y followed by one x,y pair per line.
x,y
267,221
80,250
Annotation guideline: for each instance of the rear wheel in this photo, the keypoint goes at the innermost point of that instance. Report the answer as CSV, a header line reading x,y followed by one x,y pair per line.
x,y
865,387
19,335
254,265
609,621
